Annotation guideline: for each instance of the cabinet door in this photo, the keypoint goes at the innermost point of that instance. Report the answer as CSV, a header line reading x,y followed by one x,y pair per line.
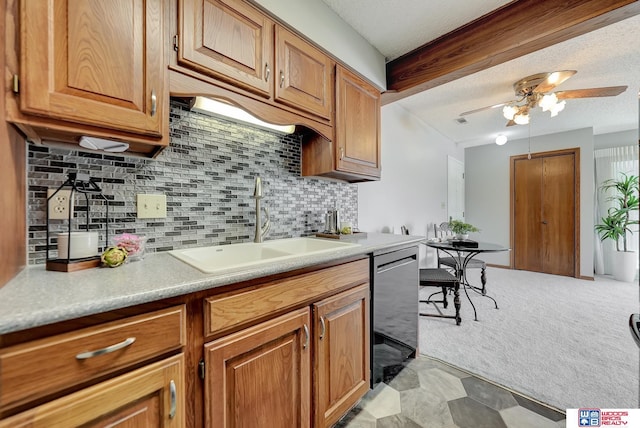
x,y
342,353
305,75
261,376
229,40
94,62
357,125
152,396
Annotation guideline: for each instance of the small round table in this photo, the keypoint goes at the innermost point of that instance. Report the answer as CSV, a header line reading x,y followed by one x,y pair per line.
x,y
462,251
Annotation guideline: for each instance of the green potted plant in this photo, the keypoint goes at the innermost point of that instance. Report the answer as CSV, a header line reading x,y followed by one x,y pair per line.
x,y
462,229
618,221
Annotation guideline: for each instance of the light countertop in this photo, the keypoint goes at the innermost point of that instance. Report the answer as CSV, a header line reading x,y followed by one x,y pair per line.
x,y
37,297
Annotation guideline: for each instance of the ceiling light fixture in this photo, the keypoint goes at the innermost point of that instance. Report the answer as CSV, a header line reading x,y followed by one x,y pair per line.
x,y
227,111
501,139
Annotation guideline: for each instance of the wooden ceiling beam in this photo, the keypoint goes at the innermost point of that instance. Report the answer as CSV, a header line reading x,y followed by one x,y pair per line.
x,y
514,30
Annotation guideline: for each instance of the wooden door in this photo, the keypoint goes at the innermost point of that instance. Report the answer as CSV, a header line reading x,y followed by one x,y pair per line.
x,y
94,62
152,396
304,75
261,376
545,211
229,40
357,125
342,353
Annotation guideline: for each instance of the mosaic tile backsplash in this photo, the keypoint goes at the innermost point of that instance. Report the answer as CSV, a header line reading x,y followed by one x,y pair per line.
x,y
207,175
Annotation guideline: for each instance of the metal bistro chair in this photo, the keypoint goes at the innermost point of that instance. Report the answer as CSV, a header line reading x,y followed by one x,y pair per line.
x,y
443,232
442,278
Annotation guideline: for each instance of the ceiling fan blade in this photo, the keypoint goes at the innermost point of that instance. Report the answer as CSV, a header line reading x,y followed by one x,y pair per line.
x,y
609,91
553,79
487,108
511,123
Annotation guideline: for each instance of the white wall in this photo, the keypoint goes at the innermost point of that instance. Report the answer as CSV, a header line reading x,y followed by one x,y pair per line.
x,y
319,23
487,189
615,139
413,188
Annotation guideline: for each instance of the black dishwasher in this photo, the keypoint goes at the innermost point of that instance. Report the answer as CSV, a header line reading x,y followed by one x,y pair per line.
x,y
394,311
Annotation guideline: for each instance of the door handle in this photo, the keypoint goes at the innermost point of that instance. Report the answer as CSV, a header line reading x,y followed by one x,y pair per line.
x,y
544,222
267,72
107,350
172,399
154,103
306,336
323,328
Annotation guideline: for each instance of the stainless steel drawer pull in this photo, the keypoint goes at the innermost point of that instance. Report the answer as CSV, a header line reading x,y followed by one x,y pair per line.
x,y
306,337
154,103
322,328
172,399
86,355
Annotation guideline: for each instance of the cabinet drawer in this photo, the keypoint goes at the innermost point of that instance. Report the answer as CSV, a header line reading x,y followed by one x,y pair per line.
x,y
41,367
233,309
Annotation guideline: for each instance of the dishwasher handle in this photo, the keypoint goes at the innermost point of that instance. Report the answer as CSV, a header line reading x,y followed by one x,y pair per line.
x,y
384,267
634,326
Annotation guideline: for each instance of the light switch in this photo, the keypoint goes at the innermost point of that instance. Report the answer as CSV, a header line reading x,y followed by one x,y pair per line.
x,y
152,206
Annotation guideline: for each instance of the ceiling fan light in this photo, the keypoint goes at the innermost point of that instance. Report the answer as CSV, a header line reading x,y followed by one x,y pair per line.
x,y
509,112
521,118
557,108
501,139
548,102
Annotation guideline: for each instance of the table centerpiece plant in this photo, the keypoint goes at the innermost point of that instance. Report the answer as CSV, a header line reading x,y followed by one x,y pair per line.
x,y
462,229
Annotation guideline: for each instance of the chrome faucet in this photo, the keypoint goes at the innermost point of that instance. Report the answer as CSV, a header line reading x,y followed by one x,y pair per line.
x,y
261,231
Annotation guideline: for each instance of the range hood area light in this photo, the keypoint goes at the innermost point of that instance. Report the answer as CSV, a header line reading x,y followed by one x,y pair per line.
x,y
227,111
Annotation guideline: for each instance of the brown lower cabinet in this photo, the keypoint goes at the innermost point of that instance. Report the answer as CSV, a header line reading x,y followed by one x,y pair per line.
x,y
262,376
152,396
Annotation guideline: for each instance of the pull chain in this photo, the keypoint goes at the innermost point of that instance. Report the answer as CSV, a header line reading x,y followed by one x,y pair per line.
x,y
529,127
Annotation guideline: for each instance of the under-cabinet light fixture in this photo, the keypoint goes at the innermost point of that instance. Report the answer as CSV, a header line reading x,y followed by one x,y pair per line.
x,y
227,111
94,143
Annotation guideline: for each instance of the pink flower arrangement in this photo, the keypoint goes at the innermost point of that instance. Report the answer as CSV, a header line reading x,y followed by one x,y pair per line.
x,y
134,244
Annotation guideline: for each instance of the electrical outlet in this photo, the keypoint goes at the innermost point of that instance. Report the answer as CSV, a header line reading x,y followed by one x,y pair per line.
x,y
151,206
59,204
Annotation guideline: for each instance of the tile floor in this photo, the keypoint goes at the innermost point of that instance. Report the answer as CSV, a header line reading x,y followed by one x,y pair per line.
x,y
425,392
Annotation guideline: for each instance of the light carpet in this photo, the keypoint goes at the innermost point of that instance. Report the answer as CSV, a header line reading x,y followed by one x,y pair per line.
x,y
560,340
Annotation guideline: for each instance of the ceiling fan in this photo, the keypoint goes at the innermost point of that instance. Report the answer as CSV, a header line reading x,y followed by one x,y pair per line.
x,y
535,90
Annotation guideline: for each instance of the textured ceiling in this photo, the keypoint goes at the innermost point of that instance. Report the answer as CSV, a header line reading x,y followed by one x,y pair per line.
x,y
397,27
609,56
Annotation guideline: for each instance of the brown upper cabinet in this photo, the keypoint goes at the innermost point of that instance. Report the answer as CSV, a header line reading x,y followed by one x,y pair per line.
x,y
305,75
232,41
357,124
96,66
354,153
229,40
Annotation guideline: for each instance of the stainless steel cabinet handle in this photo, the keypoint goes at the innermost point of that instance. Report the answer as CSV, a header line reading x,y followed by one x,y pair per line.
x,y
90,354
154,103
341,153
323,328
173,399
267,72
281,79
306,337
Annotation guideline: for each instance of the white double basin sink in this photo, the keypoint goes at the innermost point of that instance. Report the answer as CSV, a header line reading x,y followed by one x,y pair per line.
x,y
220,258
